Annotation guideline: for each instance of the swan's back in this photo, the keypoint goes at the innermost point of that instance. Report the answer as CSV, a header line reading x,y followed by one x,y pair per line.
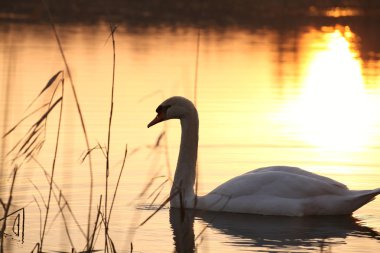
x,y
280,181
298,171
282,190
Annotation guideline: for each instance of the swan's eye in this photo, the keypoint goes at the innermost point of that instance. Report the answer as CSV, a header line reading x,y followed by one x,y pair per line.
x,y
162,108
159,109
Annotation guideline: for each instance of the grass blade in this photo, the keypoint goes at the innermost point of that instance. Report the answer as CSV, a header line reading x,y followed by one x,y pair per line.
x,y
47,86
23,119
113,29
83,125
159,208
118,181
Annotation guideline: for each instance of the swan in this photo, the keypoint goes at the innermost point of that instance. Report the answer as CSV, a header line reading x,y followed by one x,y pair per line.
x,y
275,190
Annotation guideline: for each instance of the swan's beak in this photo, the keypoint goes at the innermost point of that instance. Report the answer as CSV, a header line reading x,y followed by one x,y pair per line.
x,y
156,120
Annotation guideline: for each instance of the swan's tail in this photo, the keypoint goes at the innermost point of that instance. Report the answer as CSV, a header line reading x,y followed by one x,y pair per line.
x,y
363,197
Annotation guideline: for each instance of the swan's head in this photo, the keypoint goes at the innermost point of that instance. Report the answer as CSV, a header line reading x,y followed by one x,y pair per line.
x,y
173,108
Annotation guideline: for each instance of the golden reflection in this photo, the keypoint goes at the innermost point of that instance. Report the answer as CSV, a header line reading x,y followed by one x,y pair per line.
x,y
337,12
333,110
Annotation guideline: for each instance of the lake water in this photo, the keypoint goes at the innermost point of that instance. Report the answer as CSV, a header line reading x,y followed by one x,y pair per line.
x,y
306,96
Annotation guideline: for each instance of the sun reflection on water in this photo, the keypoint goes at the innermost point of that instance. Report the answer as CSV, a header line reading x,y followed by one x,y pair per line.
x,y
333,109
342,12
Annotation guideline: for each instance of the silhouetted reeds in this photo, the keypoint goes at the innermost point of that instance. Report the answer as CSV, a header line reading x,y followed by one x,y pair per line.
x,y
59,199
166,201
33,140
53,164
28,147
6,207
83,125
106,217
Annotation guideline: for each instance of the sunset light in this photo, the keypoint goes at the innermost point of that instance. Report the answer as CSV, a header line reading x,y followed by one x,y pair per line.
x,y
190,126
333,110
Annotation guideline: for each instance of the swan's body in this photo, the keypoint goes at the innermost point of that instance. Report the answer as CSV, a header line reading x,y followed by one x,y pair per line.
x,y
276,190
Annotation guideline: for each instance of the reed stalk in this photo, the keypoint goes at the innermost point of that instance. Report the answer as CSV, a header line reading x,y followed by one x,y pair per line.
x,y
92,238
117,184
113,29
47,176
6,98
6,208
53,167
3,146
83,125
195,103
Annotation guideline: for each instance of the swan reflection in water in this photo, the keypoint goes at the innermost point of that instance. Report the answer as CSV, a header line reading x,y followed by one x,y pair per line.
x,y
270,232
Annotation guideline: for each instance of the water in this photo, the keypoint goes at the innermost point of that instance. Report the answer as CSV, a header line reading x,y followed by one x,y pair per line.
x,y
306,96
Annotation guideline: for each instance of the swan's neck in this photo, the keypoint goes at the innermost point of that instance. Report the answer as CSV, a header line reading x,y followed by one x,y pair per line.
x,y
185,173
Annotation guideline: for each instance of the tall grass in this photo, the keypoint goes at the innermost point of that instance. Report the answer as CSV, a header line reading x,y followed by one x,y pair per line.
x,y
33,140
83,125
195,103
53,164
106,222
28,147
6,206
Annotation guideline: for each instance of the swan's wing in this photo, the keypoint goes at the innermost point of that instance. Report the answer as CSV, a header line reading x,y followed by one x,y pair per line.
x,y
285,191
298,171
282,184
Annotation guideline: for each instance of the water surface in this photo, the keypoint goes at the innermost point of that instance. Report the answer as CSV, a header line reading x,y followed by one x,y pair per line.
x,y
305,96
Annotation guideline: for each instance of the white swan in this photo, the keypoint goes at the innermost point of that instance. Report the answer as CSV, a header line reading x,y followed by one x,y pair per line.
x,y
277,190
